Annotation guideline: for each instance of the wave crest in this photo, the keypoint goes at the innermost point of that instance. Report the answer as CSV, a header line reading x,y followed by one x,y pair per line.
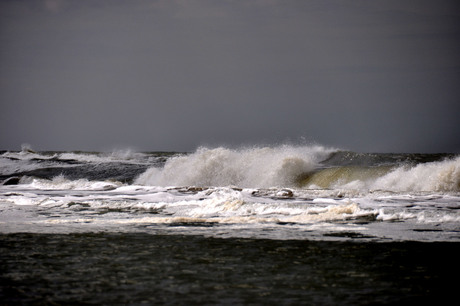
x,y
433,176
249,167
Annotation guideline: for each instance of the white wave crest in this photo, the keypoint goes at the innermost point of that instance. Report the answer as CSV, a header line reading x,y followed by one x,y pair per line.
x,y
62,183
435,176
124,156
250,167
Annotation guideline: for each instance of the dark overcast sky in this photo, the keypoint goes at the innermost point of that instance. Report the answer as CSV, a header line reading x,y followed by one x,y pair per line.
x,y
380,76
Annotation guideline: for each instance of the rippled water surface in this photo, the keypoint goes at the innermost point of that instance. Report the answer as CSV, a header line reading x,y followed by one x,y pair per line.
x,y
175,269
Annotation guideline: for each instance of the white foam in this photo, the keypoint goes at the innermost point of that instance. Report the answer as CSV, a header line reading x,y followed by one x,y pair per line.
x,y
16,162
9,167
62,183
64,206
441,176
251,167
329,213
435,176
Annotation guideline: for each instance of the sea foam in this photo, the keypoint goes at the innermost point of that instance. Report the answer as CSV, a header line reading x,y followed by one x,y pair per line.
x,y
259,167
434,176
298,166
441,176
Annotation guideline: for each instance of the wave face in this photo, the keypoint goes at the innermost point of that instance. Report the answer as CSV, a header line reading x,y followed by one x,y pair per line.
x,y
435,176
250,167
431,176
308,167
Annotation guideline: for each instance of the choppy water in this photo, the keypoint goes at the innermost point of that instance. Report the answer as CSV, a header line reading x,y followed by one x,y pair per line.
x,y
285,192
285,225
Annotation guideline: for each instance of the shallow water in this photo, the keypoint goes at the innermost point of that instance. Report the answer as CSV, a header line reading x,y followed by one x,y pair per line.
x,y
108,268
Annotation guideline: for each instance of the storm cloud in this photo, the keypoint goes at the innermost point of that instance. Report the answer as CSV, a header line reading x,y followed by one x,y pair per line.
x,y
380,76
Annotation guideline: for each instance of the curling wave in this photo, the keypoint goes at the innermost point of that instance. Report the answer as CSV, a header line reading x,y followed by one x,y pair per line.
x,y
250,167
431,176
307,167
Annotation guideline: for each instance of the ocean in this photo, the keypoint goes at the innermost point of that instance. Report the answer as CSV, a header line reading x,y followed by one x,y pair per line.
x,y
284,225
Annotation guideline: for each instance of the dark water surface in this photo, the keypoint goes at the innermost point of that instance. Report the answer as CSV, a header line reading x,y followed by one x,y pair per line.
x,y
133,268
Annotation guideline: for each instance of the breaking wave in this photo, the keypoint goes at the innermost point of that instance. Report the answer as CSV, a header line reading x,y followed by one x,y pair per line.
x,y
250,167
306,167
432,176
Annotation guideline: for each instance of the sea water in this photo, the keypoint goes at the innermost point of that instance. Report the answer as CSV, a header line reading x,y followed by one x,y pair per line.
x,y
282,224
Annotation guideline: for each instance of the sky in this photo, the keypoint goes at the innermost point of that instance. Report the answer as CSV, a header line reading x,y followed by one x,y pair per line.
x,y
173,75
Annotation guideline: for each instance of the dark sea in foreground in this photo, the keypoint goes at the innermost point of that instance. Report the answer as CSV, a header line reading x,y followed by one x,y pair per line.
x,y
285,225
134,268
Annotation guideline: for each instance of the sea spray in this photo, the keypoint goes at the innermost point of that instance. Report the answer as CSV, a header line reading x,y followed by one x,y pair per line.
x,y
250,167
431,176
305,167
434,176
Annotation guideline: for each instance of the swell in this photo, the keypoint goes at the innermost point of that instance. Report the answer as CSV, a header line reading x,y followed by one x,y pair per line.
x,y
347,158
121,166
